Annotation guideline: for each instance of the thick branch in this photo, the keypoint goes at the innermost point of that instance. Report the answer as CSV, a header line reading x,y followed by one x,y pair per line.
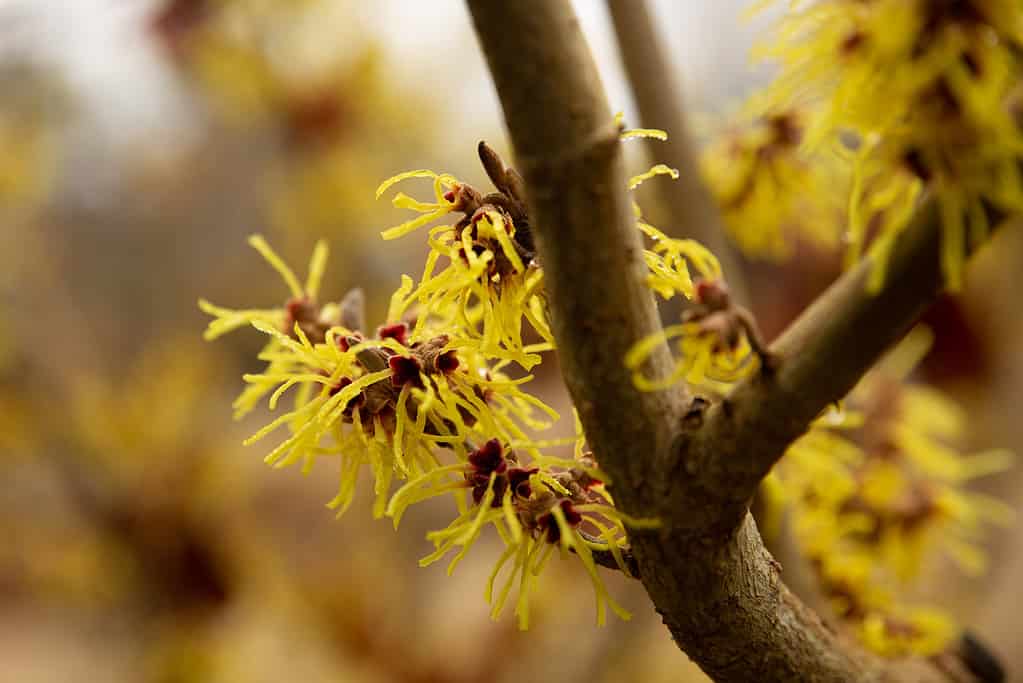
x,y
567,149
688,201
719,594
820,358
705,569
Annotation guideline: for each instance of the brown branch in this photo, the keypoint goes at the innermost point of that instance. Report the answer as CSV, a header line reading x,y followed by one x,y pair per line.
x,y
688,202
705,568
567,150
817,361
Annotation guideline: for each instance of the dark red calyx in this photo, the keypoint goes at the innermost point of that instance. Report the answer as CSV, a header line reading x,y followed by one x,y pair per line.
x,y
713,294
488,458
547,521
299,310
398,332
572,516
447,362
347,342
405,370
518,481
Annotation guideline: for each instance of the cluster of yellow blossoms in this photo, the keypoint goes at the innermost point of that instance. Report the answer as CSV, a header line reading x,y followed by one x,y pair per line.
x,y
433,398
771,191
877,103
874,494
436,399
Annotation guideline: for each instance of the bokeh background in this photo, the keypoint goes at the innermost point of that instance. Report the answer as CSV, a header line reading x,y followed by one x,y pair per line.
x,y
140,142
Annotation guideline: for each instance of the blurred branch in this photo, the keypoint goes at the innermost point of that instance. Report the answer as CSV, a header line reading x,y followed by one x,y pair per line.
x,y
705,568
688,201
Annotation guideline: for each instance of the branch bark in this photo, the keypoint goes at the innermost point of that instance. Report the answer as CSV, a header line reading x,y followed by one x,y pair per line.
x,y
566,147
706,569
819,359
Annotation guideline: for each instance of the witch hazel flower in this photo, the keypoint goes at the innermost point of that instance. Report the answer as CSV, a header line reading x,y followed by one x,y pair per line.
x,y
535,509
718,341
925,96
301,308
480,275
386,401
876,491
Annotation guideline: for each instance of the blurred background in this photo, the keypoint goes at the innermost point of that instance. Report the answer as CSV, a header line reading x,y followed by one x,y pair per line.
x,y
140,143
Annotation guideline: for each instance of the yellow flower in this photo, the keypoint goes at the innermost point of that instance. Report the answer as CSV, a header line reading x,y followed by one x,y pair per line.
x,y
301,309
535,509
875,493
717,340
771,190
924,96
718,343
908,631
480,277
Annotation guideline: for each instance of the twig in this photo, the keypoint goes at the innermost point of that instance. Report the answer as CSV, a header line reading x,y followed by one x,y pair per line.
x,y
817,361
688,201
566,147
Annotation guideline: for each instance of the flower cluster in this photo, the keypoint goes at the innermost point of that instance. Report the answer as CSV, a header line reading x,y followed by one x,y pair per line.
x,y
426,399
480,275
386,401
718,341
875,494
536,508
770,189
420,400
925,95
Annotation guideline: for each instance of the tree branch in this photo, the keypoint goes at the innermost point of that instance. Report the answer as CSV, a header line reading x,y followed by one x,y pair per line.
x,y
705,568
688,202
566,147
819,359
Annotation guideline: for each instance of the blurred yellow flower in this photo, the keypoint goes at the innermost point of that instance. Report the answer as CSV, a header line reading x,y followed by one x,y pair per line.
x,y
771,190
875,494
924,95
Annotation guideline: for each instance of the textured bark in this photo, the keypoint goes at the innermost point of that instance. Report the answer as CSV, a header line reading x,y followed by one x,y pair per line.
x,y
705,568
